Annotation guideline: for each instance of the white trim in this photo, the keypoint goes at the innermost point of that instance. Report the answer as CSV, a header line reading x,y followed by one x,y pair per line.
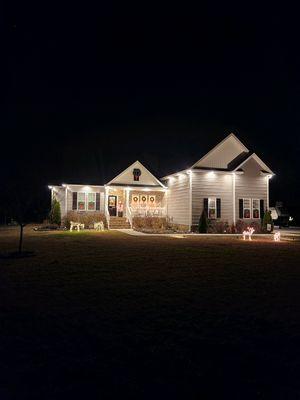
x,y
258,160
87,200
258,208
66,200
202,171
233,198
191,200
130,166
268,180
143,188
117,196
250,208
212,208
244,148
84,201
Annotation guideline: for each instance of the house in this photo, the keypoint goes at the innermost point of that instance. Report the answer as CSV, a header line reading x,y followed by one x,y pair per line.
x,y
229,182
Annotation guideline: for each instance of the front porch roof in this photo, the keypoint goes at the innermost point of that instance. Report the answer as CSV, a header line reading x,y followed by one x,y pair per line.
x,y
144,188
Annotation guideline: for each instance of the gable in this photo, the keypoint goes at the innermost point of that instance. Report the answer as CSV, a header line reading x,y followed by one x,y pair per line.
x,y
146,178
253,165
221,155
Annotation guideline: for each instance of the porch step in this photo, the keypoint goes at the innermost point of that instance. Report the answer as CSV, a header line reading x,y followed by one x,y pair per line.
x,y
118,223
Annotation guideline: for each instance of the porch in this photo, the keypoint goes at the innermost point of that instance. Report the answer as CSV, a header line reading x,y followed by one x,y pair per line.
x,y
129,202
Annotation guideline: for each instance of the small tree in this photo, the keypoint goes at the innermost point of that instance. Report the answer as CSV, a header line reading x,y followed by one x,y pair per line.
x,y
203,223
55,213
267,219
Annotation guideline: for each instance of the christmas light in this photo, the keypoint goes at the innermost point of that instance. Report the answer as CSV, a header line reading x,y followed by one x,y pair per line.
x,y
277,236
249,232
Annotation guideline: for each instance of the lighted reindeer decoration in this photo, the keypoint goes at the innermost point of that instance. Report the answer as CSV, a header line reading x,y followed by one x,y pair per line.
x,y
249,232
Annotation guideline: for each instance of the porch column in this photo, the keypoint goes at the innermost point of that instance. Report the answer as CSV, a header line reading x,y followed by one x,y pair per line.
x,y
127,190
233,198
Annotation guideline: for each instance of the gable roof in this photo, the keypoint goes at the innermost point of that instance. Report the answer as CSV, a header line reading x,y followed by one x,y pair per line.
x,y
125,178
228,155
222,154
259,162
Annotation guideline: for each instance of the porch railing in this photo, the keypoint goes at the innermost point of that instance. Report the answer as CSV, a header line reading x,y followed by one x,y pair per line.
x,y
148,211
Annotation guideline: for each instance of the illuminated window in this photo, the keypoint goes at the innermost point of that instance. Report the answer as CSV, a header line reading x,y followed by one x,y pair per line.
x,y
255,208
212,209
91,201
81,201
247,208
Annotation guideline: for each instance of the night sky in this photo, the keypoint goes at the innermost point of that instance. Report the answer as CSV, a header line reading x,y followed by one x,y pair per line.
x,y
90,90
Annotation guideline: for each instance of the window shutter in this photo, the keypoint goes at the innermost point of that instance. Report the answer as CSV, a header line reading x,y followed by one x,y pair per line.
x,y
205,206
262,208
74,201
97,201
241,208
218,208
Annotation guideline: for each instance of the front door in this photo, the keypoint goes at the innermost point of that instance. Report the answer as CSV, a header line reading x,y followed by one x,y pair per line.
x,y
112,205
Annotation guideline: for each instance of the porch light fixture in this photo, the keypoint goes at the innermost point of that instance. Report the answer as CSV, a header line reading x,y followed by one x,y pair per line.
x,y
211,173
50,187
63,185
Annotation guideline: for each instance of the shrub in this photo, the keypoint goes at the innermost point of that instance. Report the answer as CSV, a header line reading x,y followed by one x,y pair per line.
x,y
257,226
86,217
267,219
55,214
203,223
215,226
232,229
241,226
150,223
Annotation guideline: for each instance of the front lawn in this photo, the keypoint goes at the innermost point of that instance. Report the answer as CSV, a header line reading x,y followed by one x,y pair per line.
x,y
104,315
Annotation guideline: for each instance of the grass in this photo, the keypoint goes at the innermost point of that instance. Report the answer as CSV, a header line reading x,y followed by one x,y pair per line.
x,y
107,315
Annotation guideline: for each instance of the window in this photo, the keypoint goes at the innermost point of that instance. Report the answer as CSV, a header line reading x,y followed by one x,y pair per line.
x,y
211,208
246,208
91,201
255,208
81,201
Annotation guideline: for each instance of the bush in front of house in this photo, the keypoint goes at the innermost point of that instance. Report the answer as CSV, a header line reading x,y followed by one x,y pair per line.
x,y
242,226
55,213
216,226
203,223
150,224
267,220
88,218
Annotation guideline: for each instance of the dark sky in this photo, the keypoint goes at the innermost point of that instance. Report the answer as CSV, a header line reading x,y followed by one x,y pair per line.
x,y
92,89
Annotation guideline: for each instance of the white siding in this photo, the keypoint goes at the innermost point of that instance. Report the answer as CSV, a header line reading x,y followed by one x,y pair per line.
x,y
60,194
222,154
251,184
218,185
178,199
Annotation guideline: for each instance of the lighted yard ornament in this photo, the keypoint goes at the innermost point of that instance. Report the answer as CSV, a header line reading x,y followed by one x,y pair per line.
x,y
76,225
99,226
249,232
277,236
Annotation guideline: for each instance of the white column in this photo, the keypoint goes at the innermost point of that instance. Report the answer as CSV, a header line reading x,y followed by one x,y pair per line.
x,y
191,199
268,180
233,197
66,200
